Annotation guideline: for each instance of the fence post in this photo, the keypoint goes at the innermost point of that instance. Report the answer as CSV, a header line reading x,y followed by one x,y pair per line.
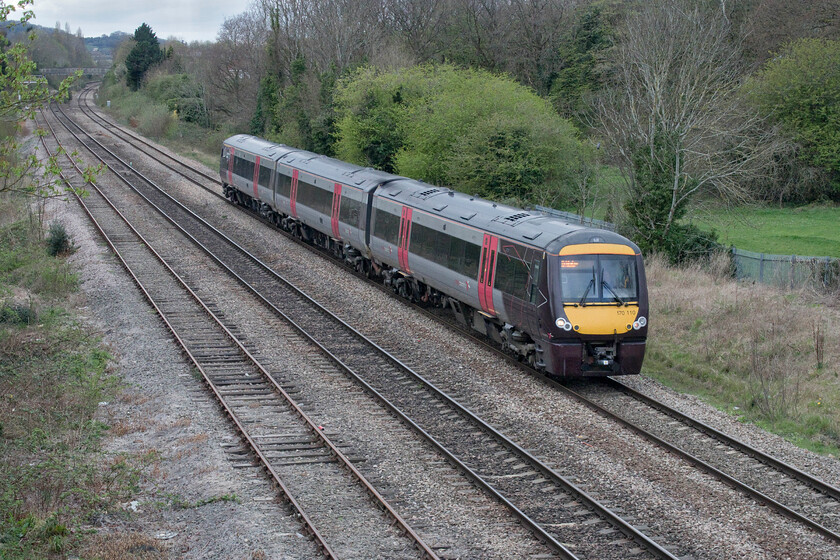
x,y
761,268
792,270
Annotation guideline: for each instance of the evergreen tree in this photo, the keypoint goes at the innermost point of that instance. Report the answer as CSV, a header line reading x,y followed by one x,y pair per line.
x,y
145,54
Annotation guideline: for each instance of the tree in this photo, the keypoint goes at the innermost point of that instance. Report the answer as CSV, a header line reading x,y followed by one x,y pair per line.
x,y
800,88
145,54
237,65
675,117
477,132
21,94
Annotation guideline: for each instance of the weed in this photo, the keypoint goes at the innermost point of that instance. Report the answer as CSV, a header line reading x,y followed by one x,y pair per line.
x,y
176,501
819,343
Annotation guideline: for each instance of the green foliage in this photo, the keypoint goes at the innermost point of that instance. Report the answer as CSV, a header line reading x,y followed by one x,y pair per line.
x,y
590,36
24,263
180,93
298,113
17,314
58,242
20,96
478,132
649,208
267,98
145,54
800,88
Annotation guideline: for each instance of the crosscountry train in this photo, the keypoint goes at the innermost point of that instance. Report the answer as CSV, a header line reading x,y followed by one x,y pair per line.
x,y
569,300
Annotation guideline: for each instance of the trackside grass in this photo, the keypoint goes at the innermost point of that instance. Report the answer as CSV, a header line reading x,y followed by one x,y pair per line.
x,y
812,230
53,374
765,356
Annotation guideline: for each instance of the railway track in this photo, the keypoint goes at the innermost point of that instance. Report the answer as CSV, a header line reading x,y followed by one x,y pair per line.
x,y
288,445
557,511
793,493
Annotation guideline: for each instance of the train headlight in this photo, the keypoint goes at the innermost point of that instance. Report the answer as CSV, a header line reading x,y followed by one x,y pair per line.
x,y
563,324
639,323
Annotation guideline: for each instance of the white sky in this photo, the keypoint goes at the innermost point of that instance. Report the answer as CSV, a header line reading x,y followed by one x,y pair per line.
x,y
189,20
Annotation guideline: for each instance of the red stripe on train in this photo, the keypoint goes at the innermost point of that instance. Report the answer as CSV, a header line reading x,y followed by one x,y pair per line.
x,y
293,194
335,208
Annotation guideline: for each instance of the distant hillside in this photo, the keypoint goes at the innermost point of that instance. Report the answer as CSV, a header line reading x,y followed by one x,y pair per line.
x,y
102,48
52,47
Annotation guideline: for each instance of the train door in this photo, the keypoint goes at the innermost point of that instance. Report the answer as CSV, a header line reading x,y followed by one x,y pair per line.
x,y
229,151
336,205
487,273
405,237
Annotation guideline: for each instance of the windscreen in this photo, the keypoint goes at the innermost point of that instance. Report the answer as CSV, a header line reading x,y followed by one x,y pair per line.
x,y
586,279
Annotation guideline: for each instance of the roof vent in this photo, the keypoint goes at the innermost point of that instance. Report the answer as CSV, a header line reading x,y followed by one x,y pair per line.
x,y
513,219
425,194
517,217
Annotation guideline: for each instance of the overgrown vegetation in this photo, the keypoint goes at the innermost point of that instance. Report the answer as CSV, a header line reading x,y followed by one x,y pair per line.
x,y
748,349
53,374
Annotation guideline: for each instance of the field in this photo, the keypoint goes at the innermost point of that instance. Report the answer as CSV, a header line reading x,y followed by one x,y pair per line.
x,y
812,230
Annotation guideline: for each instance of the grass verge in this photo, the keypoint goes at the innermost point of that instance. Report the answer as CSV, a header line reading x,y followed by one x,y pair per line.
x,y
154,120
53,374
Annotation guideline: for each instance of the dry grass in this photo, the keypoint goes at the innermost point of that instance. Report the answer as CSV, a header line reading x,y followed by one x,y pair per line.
x,y
748,346
125,427
197,438
122,546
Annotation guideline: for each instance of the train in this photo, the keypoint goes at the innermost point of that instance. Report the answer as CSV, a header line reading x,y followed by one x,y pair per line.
x,y
569,300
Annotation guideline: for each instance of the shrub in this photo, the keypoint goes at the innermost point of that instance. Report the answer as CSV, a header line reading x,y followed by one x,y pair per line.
x,y
58,242
477,132
155,121
18,314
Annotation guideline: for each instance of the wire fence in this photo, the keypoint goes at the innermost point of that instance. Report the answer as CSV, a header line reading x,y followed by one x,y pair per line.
x,y
784,271
787,271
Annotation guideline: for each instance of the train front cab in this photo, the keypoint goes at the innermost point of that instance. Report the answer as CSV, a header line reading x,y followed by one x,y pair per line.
x,y
599,310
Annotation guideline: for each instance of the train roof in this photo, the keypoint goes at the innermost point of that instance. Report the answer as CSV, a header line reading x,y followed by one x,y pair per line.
x,y
259,146
529,227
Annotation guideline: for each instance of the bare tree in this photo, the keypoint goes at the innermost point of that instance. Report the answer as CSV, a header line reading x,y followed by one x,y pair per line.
x,y
533,39
676,103
236,64
287,23
342,32
418,23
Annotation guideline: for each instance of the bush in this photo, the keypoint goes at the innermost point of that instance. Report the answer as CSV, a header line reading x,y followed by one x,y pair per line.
x,y
477,132
18,314
155,121
58,242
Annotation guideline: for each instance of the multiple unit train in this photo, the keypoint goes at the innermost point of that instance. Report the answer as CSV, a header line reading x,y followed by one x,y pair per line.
x,y
569,300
